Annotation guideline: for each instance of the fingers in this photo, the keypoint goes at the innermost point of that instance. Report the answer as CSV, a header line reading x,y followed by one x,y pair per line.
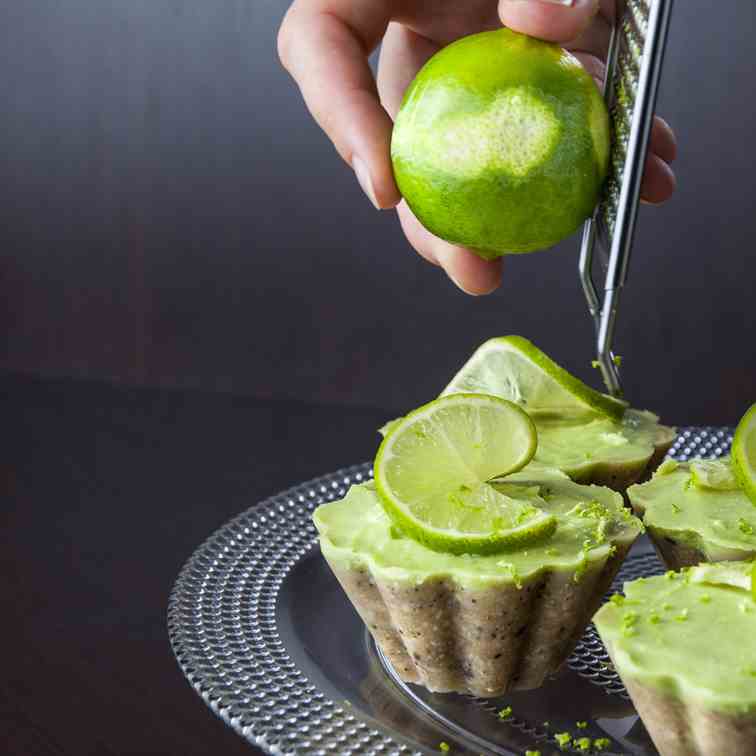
x,y
469,272
403,53
659,181
324,45
663,141
553,20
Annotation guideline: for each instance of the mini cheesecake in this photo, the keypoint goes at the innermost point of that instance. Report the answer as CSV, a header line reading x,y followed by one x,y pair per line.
x,y
593,448
480,624
691,523
684,645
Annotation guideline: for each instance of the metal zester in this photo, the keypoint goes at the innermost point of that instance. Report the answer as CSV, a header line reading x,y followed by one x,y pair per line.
x,y
633,70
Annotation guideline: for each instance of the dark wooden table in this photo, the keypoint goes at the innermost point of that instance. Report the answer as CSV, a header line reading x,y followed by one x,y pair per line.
x,y
107,491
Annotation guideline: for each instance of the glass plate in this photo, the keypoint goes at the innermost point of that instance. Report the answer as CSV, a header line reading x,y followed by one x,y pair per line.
x,y
266,636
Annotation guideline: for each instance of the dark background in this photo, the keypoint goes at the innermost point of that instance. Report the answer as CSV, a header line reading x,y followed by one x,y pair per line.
x,y
170,216
171,222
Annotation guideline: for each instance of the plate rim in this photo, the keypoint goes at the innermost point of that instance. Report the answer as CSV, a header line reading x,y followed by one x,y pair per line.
x,y
313,492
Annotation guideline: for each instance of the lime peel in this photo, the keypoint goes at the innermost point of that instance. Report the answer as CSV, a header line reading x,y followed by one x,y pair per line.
x,y
501,143
744,453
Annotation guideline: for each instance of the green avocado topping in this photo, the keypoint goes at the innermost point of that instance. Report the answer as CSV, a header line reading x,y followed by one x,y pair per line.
x,y
590,521
580,444
690,637
721,523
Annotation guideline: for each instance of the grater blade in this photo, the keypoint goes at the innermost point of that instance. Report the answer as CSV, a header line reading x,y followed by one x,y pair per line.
x,y
633,70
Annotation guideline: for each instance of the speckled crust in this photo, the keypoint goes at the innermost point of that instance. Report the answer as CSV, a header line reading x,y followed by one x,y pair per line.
x,y
481,641
685,728
673,554
620,477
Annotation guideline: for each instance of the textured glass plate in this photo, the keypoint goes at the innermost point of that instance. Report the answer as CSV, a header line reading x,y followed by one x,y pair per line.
x,y
265,635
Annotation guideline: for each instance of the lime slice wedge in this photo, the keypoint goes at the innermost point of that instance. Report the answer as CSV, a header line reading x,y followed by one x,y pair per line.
x,y
744,453
733,574
513,368
716,474
432,472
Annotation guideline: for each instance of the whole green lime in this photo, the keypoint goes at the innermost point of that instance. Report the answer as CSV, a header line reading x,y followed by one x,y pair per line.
x,y
501,143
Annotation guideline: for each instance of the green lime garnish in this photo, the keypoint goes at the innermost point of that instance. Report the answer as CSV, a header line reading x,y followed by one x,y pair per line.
x,y
515,369
716,474
432,472
744,453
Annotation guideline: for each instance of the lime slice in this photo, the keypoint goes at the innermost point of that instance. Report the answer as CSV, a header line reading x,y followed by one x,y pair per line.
x,y
515,369
716,474
744,453
733,574
432,472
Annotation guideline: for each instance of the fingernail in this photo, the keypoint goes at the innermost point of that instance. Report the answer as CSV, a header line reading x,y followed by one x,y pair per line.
x,y
551,2
363,176
459,286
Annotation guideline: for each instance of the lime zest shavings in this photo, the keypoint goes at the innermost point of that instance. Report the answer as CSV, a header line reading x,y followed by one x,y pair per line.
x,y
563,739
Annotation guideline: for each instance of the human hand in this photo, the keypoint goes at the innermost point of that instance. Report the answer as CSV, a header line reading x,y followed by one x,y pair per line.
x,y
325,45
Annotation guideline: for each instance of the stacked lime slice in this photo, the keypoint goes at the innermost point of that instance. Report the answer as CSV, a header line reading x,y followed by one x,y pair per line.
x,y
432,472
716,474
744,453
513,368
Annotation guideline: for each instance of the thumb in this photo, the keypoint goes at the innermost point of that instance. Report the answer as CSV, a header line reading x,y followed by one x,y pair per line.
x,y
553,20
